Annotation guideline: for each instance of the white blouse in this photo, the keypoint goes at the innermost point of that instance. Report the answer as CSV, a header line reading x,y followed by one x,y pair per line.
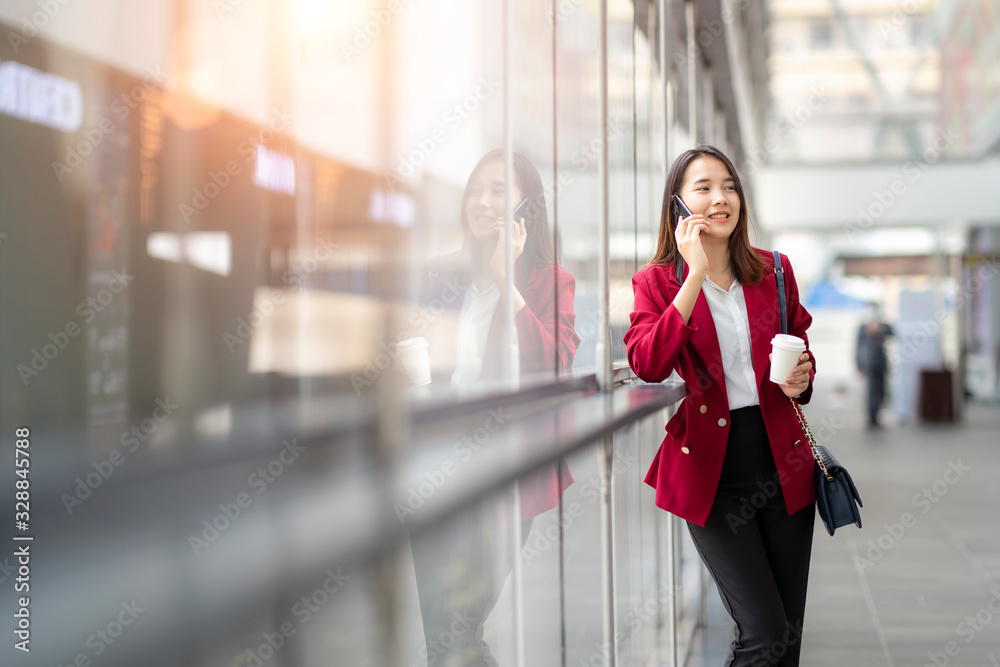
x,y
474,321
729,311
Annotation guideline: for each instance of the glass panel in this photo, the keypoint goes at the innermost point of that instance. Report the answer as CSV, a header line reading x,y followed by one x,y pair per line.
x,y
549,345
625,121
449,128
335,622
575,182
582,562
652,151
462,574
544,595
640,581
546,325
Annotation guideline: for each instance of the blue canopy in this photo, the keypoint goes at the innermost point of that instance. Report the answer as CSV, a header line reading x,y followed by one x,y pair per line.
x,y
825,294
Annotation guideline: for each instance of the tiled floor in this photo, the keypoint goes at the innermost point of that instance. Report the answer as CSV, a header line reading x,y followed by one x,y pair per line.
x,y
915,586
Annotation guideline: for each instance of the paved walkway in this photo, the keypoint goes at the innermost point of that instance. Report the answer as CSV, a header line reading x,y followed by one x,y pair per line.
x,y
916,585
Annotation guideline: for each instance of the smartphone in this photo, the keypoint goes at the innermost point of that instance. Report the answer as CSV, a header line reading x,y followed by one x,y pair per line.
x,y
685,211
519,210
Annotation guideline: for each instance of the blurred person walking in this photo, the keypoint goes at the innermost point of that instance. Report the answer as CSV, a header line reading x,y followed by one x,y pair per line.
x,y
707,306
873,362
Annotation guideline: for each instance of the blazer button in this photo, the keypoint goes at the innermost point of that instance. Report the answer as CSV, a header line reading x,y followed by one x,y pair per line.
x,y
685,450
703,409
722,422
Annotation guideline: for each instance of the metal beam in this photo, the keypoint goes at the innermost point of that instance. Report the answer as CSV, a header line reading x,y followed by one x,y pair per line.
x,y
862,196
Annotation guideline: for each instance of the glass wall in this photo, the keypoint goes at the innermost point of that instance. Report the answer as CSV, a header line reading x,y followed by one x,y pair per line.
x,y
239,235
266,199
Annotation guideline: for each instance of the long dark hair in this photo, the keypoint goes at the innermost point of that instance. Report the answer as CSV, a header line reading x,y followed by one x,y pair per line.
x,y
744,261
538,247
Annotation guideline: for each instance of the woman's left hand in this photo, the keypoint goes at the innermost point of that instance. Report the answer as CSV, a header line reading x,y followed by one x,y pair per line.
x,y
798,379
498,263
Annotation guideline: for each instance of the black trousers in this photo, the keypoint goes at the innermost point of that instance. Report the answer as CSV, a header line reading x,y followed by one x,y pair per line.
x,y
756,553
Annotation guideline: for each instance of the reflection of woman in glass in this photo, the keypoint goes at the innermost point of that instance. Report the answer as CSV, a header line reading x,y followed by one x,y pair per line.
x,y
542,291
461,568
735,462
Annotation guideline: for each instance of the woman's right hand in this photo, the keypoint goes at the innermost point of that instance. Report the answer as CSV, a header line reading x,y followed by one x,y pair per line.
x,y
688,236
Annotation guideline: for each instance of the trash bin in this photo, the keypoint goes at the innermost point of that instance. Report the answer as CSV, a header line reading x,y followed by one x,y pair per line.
x,y
936,403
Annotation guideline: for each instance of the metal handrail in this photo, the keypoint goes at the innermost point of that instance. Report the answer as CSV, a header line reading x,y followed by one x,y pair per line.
x,y
360,534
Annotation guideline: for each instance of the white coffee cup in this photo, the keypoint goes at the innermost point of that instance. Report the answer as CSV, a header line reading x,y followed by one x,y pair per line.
x,y
785,351
415,360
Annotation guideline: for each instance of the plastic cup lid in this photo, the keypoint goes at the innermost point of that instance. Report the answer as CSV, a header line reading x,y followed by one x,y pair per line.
x,y
788,342
412,344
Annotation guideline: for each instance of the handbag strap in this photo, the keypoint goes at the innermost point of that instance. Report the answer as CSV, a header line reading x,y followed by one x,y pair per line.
x,y
809,437
779,276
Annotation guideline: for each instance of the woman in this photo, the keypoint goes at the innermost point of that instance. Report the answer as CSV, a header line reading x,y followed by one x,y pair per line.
x,y
735,463
461,568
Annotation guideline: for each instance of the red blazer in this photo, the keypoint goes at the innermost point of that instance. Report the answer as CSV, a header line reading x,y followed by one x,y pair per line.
x,y
688,465
545,326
